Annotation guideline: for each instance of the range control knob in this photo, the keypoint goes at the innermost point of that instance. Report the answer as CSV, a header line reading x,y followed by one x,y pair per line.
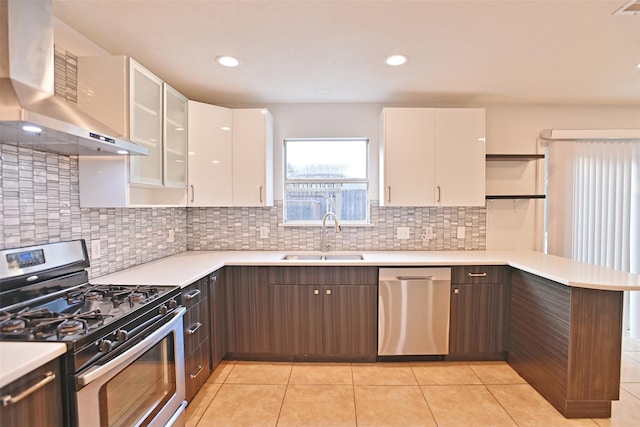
x,y
173,303
122,335
162,309
105,346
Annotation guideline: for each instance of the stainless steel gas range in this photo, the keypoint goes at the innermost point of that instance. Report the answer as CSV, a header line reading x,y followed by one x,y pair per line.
x,y
124,364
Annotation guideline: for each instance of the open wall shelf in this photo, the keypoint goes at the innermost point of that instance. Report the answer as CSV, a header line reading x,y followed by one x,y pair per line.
x,y
515,196
514,157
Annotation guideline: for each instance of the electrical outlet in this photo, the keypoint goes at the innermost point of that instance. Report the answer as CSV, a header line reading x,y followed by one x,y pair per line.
x,y
427,234
264,232
96,249
403,233
172,236
461,232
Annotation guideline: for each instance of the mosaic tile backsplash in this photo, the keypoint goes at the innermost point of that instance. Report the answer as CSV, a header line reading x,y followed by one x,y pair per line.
x,y
40,203
239,229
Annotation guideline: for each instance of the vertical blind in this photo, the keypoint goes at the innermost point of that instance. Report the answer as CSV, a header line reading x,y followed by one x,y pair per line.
x,y
593,211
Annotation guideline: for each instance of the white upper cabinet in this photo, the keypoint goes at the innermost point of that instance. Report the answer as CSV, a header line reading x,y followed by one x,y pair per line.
x,y
460,156
145,97
134,102
252,157
406,157
432,157
210,155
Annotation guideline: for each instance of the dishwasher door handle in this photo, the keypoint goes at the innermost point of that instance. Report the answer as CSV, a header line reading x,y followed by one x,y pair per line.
x,y
409,278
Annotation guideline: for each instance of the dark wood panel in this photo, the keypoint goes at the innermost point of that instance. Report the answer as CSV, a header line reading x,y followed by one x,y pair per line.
x,y
566,342
350,319
198,314
44,407
248,323
480,274
596,343
218,317
478,319
539,334
348,275
196,369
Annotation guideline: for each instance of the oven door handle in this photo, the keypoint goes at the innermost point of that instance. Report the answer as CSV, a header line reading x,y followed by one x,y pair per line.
x,y
133,353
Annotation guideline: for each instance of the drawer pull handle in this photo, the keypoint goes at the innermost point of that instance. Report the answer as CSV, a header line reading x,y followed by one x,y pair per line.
x,y
10,400
194,328
477,274
316,292
193,294
328,291
193,376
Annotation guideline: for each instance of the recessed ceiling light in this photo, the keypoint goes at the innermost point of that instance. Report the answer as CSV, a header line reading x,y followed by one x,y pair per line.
x,y
225,128
395,60
31,128
122,152
228,61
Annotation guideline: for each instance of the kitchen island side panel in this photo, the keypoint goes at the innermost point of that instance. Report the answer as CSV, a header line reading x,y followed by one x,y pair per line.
x,y
566,343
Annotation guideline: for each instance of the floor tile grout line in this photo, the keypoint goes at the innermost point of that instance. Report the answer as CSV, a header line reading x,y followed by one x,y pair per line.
x,y
501,405
284,396
433,416
210,403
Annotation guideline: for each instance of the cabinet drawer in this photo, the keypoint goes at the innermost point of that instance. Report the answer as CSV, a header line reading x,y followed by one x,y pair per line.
x,y
479,274
197,369
195,292
196,326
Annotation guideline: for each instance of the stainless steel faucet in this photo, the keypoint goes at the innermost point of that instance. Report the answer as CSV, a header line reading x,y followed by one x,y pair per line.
x,y
323,242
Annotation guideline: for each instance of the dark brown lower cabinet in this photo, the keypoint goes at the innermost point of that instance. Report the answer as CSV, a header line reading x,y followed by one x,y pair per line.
x,y
195,298
217,317
42,406
479,309
566,342
302,313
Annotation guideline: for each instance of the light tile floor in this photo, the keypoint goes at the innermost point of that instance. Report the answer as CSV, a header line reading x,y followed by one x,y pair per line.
x,y
392,394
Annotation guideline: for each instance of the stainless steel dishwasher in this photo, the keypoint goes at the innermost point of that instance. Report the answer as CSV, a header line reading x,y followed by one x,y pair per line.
x,y
413,311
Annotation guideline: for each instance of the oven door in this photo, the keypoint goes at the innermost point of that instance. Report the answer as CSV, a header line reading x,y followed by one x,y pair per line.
x,y
142,386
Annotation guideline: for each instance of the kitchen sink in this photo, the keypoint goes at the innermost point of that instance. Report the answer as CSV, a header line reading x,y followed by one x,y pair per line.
x,y
343,257
331,257
303,257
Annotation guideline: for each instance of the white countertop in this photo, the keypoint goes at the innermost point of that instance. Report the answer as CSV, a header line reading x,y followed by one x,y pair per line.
x,y
20,358
17,359
185,268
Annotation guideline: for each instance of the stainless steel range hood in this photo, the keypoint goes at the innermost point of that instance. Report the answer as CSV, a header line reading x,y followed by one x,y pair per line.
x,y
27,90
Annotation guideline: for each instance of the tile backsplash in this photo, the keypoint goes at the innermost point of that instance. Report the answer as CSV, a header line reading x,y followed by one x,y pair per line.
x,y
40,203
239,229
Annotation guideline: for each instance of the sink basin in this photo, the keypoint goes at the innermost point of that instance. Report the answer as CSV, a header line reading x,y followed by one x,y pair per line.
x,y
349,257
331,257
303,257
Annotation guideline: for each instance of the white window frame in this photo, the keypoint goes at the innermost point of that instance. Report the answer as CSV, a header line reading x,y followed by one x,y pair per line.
x,y
366,181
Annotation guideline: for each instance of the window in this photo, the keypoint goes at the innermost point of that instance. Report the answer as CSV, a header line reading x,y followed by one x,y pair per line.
x,y
326,175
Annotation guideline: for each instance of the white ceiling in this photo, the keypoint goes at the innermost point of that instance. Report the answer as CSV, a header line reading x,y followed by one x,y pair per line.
x,y
460,52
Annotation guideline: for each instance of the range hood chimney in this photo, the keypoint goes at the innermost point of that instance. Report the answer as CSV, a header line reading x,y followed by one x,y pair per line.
x,y
27,90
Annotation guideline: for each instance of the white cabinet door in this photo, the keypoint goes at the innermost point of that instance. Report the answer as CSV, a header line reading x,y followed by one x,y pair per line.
x,y
175,138
252,157
145,108
460,156
210,155
406,156
432,157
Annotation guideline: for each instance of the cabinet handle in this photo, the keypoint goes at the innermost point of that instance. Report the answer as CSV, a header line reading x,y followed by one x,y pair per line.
x,y
193,294
477,274
10,400
193,193
389,193
261,194
439,193
193,376
194,328
328,291
214,278
456,291
316,292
